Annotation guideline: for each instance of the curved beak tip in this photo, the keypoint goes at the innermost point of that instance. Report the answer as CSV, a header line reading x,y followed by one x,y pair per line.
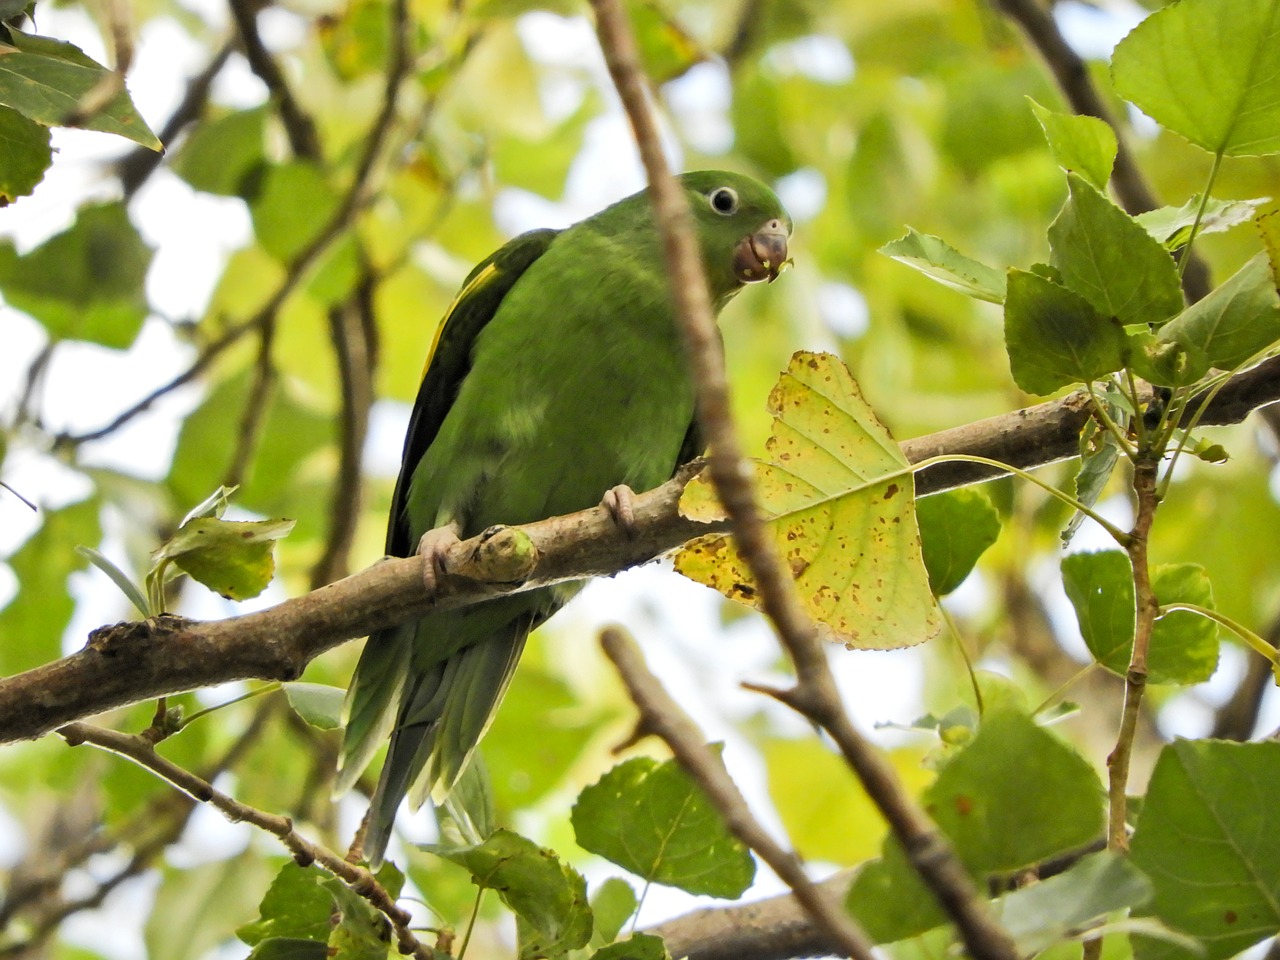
x,y
763,254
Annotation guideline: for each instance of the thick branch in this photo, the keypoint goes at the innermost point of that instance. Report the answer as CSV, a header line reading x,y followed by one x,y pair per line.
x,y
133,662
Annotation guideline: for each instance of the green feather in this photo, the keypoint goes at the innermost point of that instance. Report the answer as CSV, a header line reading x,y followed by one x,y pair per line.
x,y
557,374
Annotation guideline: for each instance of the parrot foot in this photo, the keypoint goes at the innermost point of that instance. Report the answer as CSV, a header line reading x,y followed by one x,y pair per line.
x,y
433,548
620,502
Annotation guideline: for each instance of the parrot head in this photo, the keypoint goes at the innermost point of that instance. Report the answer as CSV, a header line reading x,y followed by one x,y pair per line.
x,y
742,227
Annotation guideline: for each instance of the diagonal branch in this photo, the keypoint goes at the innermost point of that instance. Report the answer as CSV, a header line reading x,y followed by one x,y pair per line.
x,y
133,662
661,716
142,752
815,694
298,125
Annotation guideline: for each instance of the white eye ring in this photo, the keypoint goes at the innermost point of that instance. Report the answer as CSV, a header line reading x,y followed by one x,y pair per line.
x,y
724,201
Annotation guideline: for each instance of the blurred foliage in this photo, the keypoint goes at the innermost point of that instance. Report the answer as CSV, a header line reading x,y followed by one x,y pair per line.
x,y
929,118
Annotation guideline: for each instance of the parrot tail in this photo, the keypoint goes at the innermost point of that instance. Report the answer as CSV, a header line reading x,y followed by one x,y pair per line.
x,y
441,721
369,712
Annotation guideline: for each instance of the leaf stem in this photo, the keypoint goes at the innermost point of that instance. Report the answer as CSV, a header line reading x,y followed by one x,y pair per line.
x,y
1105,419
1204,205
269,688
1116,533
1240,630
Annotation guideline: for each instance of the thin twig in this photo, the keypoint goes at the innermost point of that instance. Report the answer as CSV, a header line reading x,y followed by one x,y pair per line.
x,y
815,694
304,141
139,164
162,822
257,405
1076,83
353,331
661,716
1148,608
304,851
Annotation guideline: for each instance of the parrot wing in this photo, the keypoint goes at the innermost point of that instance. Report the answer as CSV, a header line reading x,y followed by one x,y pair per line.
x,y
375,689
450,359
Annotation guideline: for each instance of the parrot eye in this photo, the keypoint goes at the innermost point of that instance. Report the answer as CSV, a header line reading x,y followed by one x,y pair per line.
x,y
724,200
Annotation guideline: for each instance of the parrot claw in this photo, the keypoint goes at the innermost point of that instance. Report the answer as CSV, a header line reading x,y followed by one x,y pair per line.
x,y
433,548
620,502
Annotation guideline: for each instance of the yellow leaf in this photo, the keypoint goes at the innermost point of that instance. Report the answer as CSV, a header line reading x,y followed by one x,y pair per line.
x,y
842,513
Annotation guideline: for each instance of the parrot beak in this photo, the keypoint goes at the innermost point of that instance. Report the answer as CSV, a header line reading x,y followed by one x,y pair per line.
x,y
762,255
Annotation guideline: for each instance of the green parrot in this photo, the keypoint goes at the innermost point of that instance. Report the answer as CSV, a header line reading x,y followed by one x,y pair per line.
x,y
557,381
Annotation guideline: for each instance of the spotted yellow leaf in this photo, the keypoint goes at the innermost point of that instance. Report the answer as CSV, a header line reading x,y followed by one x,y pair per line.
x,y
841,504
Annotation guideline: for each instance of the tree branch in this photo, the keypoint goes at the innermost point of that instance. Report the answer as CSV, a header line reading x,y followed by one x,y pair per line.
x,y
133,662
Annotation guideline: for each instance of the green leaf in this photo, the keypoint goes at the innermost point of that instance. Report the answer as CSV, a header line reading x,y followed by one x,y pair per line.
x,y
937,259
844,524
639,946
1209,839
293,203
231,557
1099,453
1166,361
666,48
288,948
362,933
196,907
541,730
1172,225
25,154
1079,144
219,155
46,79
1109,259
33,622
295,907
317,703
826,812
85,283
1065,906
1014,796
1183,647
1235,321
547,896
1055,337
612,905
955,530
652,819
1209,71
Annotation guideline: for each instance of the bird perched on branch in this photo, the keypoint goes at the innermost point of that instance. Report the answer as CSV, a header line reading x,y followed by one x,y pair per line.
x,y
557,380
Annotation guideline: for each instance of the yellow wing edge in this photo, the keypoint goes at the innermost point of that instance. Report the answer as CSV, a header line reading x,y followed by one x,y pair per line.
x,y
471,286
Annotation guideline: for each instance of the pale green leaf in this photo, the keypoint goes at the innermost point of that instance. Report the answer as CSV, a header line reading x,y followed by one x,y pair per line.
x,y
45,80
1172,225
848,536
1235,321
937,259
1080,144
1208,70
